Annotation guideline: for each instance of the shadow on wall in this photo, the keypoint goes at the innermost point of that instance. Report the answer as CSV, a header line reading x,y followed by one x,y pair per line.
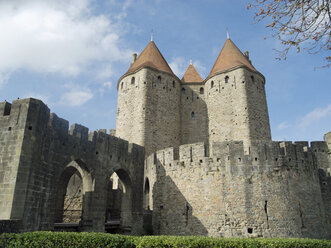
x,y
325,183
172,213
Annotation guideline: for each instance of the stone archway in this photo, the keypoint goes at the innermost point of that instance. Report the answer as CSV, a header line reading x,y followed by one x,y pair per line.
x,y
75,180
118,214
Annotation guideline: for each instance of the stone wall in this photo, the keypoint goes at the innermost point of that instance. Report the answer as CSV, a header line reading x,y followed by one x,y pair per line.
x,y
38,157
10,226
327,138
149,109
273,191
12,130
237,108
131,105
322,151
194,120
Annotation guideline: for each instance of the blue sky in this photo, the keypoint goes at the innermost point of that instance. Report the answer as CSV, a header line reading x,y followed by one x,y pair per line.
x,y
70,54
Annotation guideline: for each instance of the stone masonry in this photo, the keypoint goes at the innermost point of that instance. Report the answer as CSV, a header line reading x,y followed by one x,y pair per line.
x,y
189,156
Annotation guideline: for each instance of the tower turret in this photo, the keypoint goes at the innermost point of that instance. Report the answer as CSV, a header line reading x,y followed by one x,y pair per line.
x,y
148,111
236,100
194,121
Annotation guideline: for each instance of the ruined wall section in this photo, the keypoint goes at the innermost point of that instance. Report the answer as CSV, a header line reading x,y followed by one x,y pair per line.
x,y
194,121
149,110
273,191
46,150
237,108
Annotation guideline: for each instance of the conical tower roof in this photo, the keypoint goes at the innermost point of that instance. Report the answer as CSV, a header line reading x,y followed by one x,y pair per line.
x,y
152,57
230,57
191,75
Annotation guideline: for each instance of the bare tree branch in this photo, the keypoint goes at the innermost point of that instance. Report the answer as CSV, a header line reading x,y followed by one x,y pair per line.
x,y
300,24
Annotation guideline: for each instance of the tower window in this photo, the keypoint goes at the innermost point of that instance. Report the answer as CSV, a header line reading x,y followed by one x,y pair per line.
x,y
173,84
226,79
192,115
212,84
201,90
253,80
159,79
183,91
121,85
132,80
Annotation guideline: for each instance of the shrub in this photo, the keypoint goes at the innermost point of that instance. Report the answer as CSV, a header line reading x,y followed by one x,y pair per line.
x,y
70,239
65,239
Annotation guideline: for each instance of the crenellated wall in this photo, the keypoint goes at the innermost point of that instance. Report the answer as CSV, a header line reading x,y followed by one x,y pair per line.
x,y
38,154
273,191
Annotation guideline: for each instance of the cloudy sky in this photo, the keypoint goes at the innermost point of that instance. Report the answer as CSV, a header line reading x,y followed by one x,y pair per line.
x,y
70,54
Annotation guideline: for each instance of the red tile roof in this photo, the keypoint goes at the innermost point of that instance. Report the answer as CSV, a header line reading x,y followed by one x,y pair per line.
x,y
152,57
230,57
191,75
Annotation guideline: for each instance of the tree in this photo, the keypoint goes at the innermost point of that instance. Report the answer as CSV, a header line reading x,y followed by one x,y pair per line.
x,y
302,24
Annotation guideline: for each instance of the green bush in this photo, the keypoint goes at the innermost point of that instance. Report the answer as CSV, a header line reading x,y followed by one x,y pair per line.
x,y
206,242
63,239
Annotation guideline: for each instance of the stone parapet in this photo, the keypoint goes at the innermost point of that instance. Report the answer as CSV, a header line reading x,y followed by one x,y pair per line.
x,y
273,190
296,155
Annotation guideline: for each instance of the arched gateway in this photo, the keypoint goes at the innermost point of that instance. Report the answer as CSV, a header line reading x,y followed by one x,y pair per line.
x,y
97,192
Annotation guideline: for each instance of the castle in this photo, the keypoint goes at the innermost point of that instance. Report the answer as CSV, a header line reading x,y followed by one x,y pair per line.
x,y
188,157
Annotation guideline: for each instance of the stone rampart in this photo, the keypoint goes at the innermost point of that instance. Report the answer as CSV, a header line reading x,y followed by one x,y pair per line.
x,y
273,153
271,191
37,151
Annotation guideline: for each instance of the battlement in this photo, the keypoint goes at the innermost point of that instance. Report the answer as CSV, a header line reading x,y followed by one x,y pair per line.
x,y
273,154
5,108
31,113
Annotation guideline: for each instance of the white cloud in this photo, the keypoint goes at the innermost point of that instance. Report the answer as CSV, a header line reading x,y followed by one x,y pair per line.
x,y
56,37
104,72
178,66
105,86
4,76
283,125
76,95
200,68
314,116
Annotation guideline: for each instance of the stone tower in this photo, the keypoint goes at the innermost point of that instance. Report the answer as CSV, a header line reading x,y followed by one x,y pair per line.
x,y
194,121
148,111
235,98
